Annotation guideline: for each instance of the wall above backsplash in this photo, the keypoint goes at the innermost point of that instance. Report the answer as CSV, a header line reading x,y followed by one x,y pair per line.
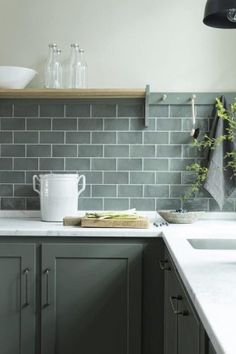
x,y
125,165
128,43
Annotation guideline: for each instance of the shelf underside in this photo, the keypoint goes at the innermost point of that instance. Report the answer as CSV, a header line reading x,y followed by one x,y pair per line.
x,y
31,93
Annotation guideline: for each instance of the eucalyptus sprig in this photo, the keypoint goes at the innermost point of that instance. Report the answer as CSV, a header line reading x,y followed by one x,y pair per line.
x,y
209,143
201,176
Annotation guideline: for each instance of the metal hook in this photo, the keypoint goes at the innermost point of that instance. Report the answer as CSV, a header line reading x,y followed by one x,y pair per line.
x,y
164,97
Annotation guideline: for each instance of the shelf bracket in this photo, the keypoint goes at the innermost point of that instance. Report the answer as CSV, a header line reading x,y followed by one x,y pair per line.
x,y
146,112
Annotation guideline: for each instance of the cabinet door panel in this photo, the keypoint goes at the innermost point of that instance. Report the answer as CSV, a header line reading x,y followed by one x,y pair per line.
x,y
189,329
170,319
17,317
91,299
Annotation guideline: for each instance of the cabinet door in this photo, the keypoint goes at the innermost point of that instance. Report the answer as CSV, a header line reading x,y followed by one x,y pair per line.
x,y
17,313
91,299
189,327
170,318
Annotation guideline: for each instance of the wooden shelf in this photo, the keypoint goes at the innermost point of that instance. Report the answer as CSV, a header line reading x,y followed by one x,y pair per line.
x,y
31,93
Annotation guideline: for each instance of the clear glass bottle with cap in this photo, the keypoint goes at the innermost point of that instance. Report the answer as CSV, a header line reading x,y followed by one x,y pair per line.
x,y
80,71
57,69
68,67
48,70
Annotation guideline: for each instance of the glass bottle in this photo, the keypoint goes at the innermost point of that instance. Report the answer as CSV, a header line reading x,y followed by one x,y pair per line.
x,y
57,69
68,72
48,70
80,70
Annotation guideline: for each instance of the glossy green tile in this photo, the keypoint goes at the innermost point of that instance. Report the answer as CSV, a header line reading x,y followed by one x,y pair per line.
x,y
64,151
104,164
159,111
103,110
90,151
77,110
24,190
12,177
129,138
13,150
142,177
38,124
52,138
155,165
143,204
142,151
169,150
155,138
13,203
168,124
129,164
90,204
51,164
12,124
77,137
6,163
103,137
156,191
116,124
168,204
22,164
38,151
26,137
25,109
77,164
90,124
130,191
51,109
116,177
104,191
116,150
116,203
168,178
6,190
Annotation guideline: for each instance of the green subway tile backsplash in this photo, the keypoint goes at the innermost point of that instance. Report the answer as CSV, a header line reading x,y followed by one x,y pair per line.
x,y
125,164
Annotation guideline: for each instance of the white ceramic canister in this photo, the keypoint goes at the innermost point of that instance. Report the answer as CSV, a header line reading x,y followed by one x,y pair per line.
x,y
58,195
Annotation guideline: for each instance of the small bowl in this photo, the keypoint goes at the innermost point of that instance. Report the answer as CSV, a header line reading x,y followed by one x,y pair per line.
x,y
173,217
15,77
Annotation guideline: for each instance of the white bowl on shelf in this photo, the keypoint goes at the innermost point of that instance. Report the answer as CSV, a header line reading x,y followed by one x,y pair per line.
x,y
15,77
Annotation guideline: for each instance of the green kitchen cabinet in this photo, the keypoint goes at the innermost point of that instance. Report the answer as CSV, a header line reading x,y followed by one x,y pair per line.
x,y
17,298
183,331
91,298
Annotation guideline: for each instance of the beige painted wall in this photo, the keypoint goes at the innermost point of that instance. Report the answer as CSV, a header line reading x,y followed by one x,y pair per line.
x,y
128,42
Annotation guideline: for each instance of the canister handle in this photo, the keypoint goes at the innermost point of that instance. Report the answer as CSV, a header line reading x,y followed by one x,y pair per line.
x,y
82,177
35,180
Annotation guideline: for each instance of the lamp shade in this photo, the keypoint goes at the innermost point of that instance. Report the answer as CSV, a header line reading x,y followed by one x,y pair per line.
x,y
220,13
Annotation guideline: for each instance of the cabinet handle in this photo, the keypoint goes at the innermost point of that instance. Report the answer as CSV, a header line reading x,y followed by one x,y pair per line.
x,y
26,274
47,301
175,311
164,264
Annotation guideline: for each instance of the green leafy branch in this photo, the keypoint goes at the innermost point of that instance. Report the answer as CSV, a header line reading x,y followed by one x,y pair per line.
x,y
207,142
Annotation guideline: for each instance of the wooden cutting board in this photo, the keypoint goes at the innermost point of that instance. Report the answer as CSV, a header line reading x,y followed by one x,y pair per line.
x,y
139,223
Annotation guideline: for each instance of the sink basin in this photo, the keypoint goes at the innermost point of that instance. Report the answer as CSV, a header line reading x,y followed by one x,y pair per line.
x,y
213,244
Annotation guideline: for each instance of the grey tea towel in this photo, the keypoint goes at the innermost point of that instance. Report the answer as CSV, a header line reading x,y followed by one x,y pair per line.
x,y
220,182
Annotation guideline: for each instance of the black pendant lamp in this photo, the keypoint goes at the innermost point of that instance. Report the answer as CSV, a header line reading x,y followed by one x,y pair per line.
x,y
220,13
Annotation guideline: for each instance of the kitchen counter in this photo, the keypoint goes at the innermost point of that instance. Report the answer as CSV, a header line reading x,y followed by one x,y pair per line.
x,y
209,275
29,224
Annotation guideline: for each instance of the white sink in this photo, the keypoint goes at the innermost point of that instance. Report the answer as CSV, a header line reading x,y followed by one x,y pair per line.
x,y
213,244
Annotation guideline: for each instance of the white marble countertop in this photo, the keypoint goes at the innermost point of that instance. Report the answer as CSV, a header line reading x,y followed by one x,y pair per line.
x,y
25,223
209,275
